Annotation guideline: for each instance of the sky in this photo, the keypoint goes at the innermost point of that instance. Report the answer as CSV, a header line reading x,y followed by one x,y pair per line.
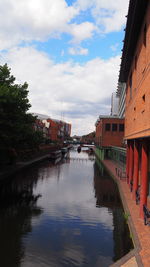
x,y
68,51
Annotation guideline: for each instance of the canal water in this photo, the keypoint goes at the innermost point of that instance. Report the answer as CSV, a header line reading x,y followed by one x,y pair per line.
x,y
62,215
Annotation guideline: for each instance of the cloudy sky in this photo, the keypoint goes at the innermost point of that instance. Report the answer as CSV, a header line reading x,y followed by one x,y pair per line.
x,y
69,53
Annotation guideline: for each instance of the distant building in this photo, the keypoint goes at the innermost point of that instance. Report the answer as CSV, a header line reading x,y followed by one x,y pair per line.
x,y
121,94
109,131
54,130
114,104
109,138
40,125
88,138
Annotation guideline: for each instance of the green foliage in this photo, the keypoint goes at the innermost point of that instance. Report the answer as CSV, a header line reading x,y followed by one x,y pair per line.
x,y
16,125
126,216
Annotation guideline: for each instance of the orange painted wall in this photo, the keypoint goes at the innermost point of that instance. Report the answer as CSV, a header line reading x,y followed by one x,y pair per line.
x,y
137,115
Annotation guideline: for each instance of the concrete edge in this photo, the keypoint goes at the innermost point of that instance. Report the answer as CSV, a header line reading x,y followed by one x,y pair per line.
x,y
136,242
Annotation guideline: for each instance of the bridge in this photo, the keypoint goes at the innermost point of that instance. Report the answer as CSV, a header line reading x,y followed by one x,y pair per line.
x,y
81,159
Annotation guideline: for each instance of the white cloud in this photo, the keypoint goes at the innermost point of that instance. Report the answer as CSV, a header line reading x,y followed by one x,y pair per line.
x,y
108,14
80,91
82,31
28,20
78,51
114,47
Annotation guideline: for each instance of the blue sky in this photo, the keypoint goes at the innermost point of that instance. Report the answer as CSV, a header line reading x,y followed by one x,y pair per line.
x,y
104,47
68,52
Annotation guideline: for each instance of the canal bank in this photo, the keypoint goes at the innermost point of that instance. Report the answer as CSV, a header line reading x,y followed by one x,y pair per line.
x,y
10,170
140,255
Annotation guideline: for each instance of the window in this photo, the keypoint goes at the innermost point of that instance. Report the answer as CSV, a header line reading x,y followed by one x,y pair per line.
x,y
121,127
130,80
143,97
114,127
107,127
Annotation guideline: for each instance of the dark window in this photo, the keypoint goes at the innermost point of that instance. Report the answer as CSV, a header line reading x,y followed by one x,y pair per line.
x,y
130,80
144,37
114,127
143,97
107,127
121,127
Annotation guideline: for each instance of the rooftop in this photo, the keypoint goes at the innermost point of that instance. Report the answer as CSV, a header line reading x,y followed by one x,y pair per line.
x,y
106,117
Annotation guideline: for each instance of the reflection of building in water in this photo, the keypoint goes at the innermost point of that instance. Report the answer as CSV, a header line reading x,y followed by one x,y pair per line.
x,y
17,208
121,235
107,195
106,191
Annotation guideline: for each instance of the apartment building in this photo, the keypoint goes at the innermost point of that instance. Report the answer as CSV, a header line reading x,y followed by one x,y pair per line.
x,y
135,73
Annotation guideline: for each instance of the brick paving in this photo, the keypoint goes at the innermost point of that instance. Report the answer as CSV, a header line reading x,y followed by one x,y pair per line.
x,y
140,232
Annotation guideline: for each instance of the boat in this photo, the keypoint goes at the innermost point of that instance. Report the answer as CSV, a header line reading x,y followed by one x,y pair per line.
x,y
90,151
55,154
64,150
79,149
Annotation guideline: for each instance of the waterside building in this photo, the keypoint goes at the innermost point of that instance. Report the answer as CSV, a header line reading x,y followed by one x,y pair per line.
x,y
135,73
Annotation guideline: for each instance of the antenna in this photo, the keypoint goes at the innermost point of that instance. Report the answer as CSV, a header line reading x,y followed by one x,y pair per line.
x,y
62,112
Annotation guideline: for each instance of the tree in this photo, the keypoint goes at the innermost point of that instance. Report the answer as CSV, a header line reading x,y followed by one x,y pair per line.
x,y
16,125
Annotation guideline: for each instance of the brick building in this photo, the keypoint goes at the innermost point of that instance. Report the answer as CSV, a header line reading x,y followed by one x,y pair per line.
x,y
43,127
109,131
59,130
54,130
135,72
109,139
88,138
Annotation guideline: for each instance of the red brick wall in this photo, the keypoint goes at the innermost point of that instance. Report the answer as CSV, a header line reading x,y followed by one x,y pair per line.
x,y
137,115
109,138
54,128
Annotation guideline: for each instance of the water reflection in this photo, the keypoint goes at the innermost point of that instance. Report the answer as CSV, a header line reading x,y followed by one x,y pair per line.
x,y
106,193
62,215
17,208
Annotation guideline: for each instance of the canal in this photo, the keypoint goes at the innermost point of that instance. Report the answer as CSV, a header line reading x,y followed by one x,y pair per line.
x,y
62,214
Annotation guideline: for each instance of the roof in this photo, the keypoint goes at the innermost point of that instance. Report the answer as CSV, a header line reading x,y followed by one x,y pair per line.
x,y
107,117
41,116
136,13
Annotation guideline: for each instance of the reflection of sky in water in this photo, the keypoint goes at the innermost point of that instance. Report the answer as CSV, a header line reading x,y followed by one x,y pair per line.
x,y
70,224
71,231
69,243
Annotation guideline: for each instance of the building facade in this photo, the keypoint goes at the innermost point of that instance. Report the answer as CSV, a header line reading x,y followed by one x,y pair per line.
x,y
114,104
121,93
109,131
135,73
53,130
109,139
